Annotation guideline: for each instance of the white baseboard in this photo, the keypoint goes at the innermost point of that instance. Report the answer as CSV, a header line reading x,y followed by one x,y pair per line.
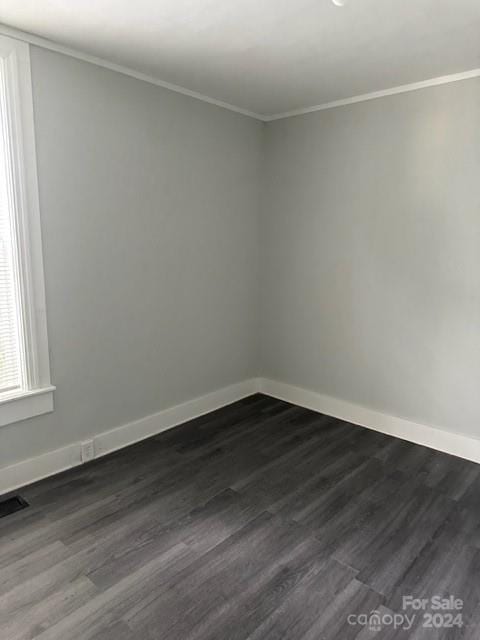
x,y
433,437
119,437
52,462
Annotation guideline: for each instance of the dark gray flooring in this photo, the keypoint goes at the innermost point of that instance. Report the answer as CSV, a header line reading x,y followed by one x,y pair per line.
x,y
260,521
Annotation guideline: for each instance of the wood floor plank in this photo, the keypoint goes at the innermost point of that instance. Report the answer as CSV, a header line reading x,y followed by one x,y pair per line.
x,y
309,599
237,617
107,608
221,573
48,611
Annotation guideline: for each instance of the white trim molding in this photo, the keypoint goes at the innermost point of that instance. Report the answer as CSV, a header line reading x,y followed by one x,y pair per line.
x,y
57,460
100,62
127,71
25,405
405,88
34,394
446,441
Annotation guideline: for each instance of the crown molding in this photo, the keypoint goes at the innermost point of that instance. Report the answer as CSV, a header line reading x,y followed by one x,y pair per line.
x,y
404,88
38,41
100,62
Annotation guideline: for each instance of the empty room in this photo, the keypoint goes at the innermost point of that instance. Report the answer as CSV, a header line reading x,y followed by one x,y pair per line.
x,y
240,320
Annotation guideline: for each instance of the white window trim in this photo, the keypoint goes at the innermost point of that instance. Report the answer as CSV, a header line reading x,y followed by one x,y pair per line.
x,y
37,397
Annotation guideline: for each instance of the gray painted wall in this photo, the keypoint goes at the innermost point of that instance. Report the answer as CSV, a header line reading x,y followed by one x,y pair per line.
x,y
371,254
367,281
149,205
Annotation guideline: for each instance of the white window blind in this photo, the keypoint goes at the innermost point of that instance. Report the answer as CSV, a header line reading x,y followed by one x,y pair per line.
x,y
10,339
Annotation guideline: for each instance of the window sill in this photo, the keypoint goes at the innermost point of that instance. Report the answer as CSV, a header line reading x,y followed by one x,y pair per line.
x,y
26,404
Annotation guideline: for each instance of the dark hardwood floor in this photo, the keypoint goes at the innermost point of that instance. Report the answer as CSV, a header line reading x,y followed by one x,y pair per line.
x,y
261,520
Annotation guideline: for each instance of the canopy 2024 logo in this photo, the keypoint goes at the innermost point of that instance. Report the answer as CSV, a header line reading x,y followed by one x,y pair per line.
x,y
436,612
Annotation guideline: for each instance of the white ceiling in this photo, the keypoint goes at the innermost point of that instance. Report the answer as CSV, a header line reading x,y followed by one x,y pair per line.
x,y
267,56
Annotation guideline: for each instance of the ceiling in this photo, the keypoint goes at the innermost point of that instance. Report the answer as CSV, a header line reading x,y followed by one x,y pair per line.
x,y
267,56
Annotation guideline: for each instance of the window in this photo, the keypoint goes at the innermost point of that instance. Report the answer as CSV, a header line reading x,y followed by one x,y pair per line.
x,y
25,388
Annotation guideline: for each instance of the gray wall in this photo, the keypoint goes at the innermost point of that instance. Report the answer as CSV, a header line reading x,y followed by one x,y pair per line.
x,y
369,263
149,205
371,254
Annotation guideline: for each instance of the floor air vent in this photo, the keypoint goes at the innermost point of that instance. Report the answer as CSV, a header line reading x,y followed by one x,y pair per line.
x,y
10,505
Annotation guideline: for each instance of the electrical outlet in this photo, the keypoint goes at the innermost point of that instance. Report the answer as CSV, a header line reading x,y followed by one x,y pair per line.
x,y
88,450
